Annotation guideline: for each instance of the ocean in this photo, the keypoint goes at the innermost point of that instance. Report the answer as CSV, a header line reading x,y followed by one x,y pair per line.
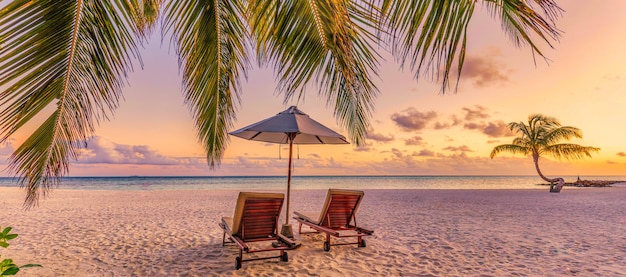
x,y
304,182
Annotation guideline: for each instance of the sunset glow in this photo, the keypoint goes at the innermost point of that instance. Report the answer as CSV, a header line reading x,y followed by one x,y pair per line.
x,y
416,130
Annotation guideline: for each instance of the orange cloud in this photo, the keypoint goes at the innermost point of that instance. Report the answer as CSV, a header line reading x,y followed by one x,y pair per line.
x,y
483,71
477,113
378,137
462,148
416,140
413,120
491,129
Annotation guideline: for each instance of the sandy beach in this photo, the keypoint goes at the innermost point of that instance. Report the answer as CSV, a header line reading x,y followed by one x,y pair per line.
x,y
578,232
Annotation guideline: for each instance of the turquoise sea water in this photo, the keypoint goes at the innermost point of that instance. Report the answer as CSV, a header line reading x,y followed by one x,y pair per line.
x,y
305,182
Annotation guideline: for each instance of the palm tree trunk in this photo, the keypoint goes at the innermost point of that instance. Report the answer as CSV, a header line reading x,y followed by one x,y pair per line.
x,y
536,160
560,182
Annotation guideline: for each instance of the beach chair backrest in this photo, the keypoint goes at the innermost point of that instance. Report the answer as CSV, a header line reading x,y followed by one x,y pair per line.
x,y
340,207
256,215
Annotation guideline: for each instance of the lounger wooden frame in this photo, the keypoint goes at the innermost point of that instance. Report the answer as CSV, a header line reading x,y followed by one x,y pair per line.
x,y
256,219
337,219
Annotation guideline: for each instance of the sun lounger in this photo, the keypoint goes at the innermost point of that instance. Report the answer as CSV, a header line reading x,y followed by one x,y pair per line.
x,y
337,219
256,219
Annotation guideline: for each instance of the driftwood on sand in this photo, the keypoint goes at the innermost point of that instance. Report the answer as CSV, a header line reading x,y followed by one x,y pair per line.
x,y
589,183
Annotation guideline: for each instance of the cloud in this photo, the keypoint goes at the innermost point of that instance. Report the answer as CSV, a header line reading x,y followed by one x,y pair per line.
x,y
456,163
473,126
492,129
416,140
440,126
378,137
249,162
621,154
474,114
484,71
424,153
497,129
472,118
412,119
6,148
462,148
102,151
366,147
396,152
429,163
454,121
267,166
315,156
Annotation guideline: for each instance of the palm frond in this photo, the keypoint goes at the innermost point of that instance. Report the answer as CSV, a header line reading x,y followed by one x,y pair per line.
x,y
522,141
326,40
520,127
570,151
562,133
145,14
510,148
538,127
519,20
542,136
210,37
64,61
432,34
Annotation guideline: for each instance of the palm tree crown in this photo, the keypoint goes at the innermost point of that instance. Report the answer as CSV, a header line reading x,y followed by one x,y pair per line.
x,y
67,61
541,137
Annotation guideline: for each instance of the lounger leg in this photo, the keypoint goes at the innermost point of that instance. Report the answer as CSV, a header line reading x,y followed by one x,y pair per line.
x,y
239,260
283,256
327,243
223,238
300,228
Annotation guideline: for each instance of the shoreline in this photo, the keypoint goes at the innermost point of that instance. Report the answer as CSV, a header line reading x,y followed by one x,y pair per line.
x,y
527,232
305,183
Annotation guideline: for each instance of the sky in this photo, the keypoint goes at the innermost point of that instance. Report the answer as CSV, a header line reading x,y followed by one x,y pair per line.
x,y
416,130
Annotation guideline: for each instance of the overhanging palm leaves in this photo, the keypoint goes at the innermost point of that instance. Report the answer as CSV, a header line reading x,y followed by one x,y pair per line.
x,y
63,63
328,40
62,60
540,137
210,36
431,35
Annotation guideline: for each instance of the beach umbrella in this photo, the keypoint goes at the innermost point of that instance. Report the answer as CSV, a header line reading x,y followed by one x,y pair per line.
x,y
290,126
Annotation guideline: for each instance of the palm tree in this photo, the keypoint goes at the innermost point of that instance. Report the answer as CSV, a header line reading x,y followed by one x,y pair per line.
x,y
541,137
67,61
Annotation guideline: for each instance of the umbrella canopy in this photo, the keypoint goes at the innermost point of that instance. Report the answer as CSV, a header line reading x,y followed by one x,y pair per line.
x,y
279,128
290,126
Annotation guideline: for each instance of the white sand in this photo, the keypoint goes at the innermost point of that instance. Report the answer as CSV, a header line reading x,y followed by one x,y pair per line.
x,y
579,232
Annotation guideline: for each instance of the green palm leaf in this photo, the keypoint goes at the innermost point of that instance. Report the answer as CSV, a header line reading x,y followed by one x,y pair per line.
x,y
511,148
64,61
570,151
431,34
329,41
145,14
210,37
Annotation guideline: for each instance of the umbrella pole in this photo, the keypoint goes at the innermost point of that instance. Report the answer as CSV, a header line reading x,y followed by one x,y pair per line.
x,y
287,229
